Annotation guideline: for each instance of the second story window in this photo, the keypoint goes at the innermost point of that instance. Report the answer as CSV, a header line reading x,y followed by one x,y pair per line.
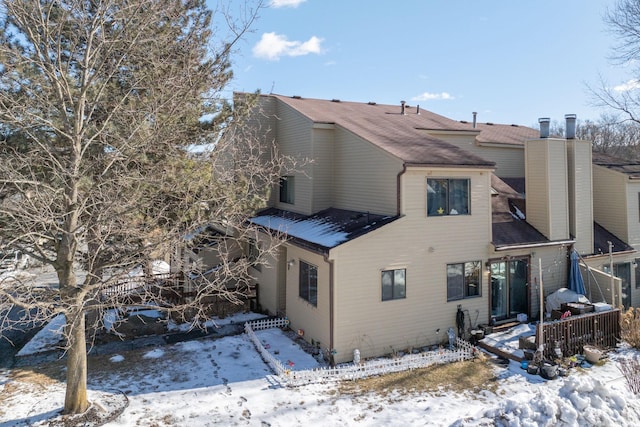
x,y
287,186
447,196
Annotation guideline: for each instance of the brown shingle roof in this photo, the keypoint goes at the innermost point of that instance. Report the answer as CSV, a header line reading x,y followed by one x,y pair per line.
x,y
403,136
508,227
505,134
627,167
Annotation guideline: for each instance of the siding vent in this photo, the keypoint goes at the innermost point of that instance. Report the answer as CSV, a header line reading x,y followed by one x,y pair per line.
x,y
570,131
544,126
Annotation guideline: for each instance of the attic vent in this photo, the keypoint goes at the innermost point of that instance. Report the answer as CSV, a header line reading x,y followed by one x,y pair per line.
x,y
296,97
371,103
335,100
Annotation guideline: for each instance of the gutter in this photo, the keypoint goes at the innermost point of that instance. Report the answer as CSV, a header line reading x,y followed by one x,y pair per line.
x,y
331,308
534,245
402,172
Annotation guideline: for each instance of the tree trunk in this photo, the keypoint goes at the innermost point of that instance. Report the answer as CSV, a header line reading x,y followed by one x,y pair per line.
x,y
76,401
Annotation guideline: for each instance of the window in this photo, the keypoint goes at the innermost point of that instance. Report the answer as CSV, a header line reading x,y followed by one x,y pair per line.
x,y
393,284
447,197
287,189
254,255
309,283
463,280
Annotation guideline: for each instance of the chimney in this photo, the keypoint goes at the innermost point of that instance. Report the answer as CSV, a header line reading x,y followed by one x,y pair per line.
x,y
475,116
402,107
544,126
570,132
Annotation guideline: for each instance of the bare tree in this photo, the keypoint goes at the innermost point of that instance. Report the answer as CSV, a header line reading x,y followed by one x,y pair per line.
x,y
102,106
623,21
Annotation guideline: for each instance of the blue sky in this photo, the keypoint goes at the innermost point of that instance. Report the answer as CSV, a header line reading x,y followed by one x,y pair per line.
x,y
511,61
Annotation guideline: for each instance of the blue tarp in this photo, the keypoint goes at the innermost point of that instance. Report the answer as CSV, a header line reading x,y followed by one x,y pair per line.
x,y
576,283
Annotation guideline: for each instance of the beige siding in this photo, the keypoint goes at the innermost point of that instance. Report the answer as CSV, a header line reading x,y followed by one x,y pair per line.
x,y
315,321
322,178
269,277
580,194
295,139
509,160
610,201
547,187
423,246
633,213
365,177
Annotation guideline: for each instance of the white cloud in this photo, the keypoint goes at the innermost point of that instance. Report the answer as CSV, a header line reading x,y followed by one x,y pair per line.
x,y
285,3
629,85
273,46
431,96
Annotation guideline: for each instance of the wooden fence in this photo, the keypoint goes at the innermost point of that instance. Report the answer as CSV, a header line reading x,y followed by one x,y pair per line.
x,y
350,371
571,334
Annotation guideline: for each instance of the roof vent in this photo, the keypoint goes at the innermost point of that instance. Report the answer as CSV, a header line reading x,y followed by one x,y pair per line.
x,y
544,126
570,131
475,116
489,124
296,97
335,100
371,103
402,104
418,109
515,125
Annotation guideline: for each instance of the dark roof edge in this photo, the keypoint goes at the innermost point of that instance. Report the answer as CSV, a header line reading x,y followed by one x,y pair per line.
x,y
533,245
488,165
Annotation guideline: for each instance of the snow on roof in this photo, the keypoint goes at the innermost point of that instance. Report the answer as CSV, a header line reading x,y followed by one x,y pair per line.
x,y
313,230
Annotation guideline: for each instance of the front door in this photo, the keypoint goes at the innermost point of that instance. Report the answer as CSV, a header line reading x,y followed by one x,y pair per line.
x,y
509,288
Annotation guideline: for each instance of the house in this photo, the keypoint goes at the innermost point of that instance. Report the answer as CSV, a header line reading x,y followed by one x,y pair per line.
x,y
402,219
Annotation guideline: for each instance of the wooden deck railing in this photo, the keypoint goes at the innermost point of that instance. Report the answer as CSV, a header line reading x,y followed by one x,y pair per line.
x,y
571,334
131,285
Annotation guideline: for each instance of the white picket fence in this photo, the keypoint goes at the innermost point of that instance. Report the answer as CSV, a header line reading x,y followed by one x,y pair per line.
x,y
287,376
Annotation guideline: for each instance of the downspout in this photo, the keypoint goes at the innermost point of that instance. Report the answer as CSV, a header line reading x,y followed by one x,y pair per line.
x,y
404,169
331,308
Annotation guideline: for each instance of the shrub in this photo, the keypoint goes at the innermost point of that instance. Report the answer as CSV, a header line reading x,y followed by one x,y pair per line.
x,y
630,327
630,369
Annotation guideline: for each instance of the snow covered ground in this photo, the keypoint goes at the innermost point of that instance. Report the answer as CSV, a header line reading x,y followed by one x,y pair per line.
x,y
224,381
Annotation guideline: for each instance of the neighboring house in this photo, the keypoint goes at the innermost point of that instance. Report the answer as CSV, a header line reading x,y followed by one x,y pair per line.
x,y
402,216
